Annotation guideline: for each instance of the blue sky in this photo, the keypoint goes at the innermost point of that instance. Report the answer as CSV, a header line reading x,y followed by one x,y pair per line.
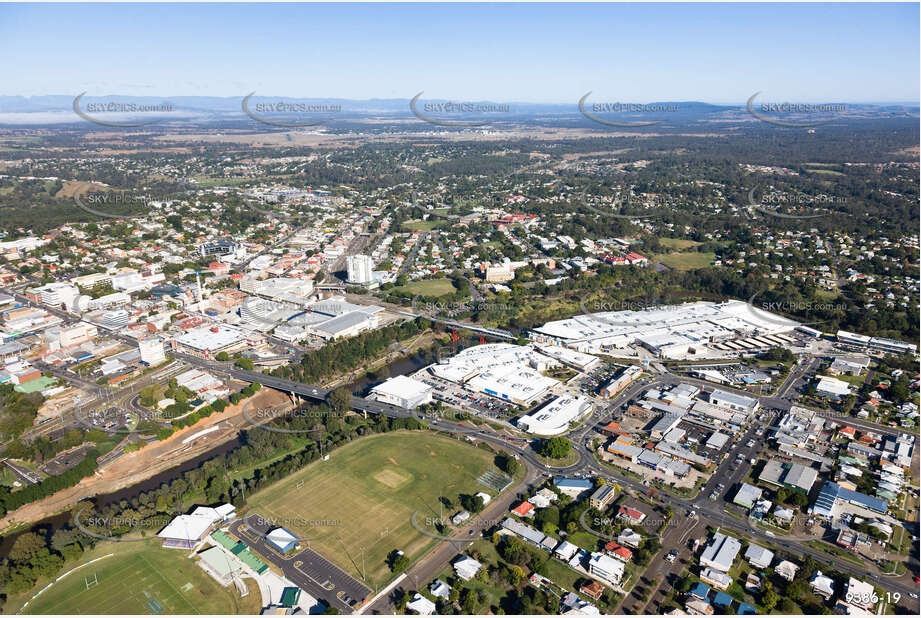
x,y
509,52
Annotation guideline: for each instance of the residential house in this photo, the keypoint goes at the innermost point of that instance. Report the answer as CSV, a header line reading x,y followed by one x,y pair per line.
x,y
421,605
605,567
629,538
759,557
786,569
630,515
715,578
466,567
440,590
525,509
618,551
592,590
822,585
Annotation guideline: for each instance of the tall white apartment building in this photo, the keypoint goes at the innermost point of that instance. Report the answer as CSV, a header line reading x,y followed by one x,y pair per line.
x,y
152,351
360,269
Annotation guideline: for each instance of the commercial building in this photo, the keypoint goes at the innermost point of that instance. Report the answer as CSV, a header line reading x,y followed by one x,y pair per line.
x,y
571,358
282,539
207,340
891,345
833,498
217,563
360,269
673,331
505,371
222,246
501,273
58,294
716,441
76,334
858,597
849,365
346,325
403,391
721,552
186,531
832,388
286,289
602,497
92,280
747,496
621,381
572,487
557,416
790,475
758,556
265,311
731,401
877,343
111,320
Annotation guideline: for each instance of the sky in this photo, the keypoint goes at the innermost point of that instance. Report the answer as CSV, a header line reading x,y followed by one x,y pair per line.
x,y
550,53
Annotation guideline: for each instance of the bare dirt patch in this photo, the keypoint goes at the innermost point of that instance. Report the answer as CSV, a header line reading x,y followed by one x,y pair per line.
x,y
135,467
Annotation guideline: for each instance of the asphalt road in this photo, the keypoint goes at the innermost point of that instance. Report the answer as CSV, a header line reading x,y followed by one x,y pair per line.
x,y
23,474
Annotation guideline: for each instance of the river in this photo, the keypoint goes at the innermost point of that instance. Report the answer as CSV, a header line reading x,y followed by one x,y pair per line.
x,y
401,366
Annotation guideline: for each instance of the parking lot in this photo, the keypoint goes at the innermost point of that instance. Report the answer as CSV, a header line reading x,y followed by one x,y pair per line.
x,y
306,569
66,461
477,403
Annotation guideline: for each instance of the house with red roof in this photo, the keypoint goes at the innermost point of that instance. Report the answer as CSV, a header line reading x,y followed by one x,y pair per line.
x,y
616,550
525,509
219,268
848,432
636,259
592,590
631,515
613,429
614,260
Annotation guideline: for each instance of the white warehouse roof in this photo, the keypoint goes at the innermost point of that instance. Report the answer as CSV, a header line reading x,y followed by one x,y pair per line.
x,y
555,417
401,387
